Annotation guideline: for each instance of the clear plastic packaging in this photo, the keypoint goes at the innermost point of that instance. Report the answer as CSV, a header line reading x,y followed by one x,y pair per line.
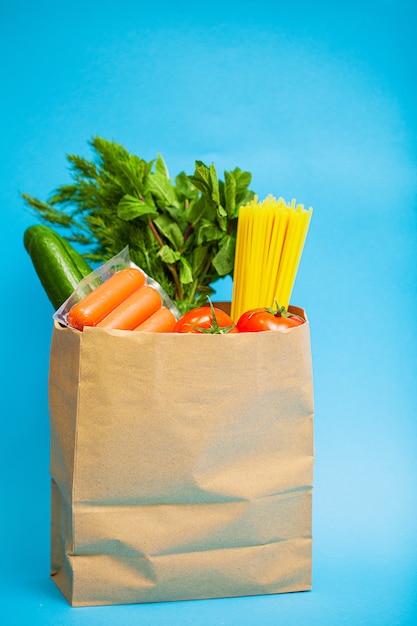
x,y
101,274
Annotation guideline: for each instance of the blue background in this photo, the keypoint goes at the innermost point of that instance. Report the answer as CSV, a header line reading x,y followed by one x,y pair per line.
x,y
318,101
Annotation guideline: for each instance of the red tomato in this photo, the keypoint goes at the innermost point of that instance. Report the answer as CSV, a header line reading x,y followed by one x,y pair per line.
x,y
212,321
257,320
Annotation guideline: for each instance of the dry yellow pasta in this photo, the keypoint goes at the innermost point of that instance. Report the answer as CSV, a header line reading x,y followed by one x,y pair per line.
x,y
269,243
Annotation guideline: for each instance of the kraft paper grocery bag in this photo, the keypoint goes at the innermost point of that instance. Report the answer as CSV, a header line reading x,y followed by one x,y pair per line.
x,y
181,464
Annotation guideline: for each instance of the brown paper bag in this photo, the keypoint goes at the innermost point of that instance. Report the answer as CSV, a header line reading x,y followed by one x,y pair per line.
x,y
181,464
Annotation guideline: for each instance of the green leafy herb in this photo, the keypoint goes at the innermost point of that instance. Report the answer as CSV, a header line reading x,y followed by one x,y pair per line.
x,y
182,233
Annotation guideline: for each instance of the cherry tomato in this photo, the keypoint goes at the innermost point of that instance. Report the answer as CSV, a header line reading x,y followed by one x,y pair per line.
x,y
257,320
204,319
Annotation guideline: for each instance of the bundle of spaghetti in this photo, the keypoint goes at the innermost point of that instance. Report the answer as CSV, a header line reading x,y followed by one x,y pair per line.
x,y
269,244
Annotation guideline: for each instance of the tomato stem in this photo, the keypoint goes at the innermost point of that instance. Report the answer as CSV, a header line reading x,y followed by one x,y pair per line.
x,y
214,328
278,311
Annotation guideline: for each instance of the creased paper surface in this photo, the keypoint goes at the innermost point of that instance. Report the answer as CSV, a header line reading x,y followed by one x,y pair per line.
x,y
182,465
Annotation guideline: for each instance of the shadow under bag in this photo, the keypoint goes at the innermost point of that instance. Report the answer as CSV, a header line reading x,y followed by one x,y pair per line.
x,y
181,464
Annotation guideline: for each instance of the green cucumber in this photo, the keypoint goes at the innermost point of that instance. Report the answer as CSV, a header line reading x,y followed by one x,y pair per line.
x,y
78,259
59,267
